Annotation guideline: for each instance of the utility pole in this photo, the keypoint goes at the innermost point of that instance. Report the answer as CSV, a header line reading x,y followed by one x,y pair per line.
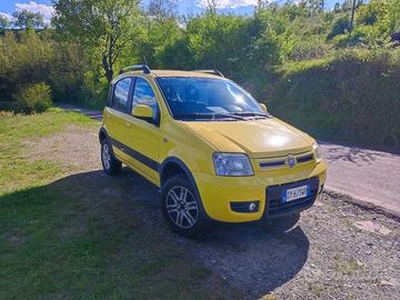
x,y
353,9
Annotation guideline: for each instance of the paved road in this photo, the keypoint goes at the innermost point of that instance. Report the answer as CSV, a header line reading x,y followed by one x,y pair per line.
x,y
94,114
368,176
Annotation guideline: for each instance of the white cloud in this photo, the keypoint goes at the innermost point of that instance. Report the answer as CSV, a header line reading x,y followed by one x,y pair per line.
x,y
46,10
228,3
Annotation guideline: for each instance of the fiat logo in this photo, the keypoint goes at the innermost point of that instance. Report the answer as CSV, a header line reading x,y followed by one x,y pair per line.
x,y
291,161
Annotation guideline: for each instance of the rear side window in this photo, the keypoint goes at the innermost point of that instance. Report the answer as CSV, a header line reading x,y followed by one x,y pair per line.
x,y
144,94
121,93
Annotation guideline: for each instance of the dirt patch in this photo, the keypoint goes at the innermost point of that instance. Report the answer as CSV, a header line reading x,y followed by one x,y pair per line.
x,y
74,149
373,227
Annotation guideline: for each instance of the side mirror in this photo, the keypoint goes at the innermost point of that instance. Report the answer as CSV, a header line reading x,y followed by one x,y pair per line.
x,y
143,111
263,107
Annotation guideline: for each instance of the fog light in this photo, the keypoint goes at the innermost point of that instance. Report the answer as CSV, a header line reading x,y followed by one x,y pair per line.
x,y
245,206
252,207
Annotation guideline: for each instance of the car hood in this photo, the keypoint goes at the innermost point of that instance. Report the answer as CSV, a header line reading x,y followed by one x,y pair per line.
x,y
258,138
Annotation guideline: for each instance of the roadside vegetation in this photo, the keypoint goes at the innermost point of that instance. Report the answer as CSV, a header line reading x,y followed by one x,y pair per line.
x,y
313,67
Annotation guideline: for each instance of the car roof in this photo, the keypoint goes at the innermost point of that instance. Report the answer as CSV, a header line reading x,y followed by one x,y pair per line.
x,y
173,73
170,73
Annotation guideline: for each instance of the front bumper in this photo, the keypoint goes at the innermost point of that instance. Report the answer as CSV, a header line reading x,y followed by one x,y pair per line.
x,y
264,189
276,207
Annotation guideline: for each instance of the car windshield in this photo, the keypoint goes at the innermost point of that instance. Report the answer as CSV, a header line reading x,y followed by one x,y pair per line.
x,y
193,98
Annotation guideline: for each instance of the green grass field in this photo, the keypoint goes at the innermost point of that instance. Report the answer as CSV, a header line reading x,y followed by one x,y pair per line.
x,y
84,235
17,172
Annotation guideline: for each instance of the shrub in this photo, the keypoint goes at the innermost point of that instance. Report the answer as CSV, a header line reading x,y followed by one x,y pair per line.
x,y
352,97
7,106
341,26
309,49
33,98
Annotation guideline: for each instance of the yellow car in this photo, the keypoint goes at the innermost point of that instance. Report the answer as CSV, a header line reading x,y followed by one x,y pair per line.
x,y
214,151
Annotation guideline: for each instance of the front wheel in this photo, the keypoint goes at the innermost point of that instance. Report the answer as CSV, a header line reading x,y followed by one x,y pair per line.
x,y
181,207
111,165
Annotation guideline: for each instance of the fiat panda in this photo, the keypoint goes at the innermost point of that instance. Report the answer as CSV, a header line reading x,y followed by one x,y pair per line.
x,y
211,148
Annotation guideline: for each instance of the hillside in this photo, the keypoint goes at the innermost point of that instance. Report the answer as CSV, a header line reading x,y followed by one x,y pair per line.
x,y
315,68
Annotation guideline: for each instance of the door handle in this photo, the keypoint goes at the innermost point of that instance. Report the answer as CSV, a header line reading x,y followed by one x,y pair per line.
x,y
128,124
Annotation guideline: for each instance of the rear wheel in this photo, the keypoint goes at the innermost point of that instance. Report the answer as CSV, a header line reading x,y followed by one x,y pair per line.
x,y
181,207
111,165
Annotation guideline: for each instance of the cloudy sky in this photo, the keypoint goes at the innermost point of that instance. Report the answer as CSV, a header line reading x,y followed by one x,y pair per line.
x,y
7,7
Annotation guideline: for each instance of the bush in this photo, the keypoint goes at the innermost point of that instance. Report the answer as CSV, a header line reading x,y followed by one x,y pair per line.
x,y
341,26
7,106
33,98
353,96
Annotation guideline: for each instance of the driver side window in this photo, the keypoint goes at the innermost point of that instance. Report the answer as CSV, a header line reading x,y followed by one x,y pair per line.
x,y
144,94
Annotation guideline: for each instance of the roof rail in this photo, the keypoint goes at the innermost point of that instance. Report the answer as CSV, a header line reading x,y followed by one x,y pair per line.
x,y
143,67
215,72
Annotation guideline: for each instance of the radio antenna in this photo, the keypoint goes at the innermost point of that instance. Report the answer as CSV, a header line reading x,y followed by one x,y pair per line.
x,y
145,60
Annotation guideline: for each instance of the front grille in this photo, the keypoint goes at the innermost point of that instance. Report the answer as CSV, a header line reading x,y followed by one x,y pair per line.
x,y
305,158
272,164
282,161
276,205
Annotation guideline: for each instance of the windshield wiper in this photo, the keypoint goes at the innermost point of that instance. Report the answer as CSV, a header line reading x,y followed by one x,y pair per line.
x,y
251,114
211,116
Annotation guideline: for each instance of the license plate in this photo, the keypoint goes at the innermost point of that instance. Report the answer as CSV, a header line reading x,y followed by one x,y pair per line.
x,y
296,193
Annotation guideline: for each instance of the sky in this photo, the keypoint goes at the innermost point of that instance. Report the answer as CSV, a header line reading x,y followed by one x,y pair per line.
x,y
242,7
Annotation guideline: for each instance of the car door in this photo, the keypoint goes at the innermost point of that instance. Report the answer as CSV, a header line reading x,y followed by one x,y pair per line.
x,y
116,113
143,137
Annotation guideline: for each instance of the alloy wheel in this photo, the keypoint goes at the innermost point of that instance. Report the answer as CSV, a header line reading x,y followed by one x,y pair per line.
x,y
105,155
182,207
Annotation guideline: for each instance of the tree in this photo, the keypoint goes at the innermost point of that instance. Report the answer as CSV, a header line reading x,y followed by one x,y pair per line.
x,y
26,19
4,23
162,9
336,8
105,27
393,15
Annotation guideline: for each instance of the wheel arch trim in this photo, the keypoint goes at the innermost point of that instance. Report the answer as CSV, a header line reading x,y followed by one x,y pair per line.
x,y
102,131
189,175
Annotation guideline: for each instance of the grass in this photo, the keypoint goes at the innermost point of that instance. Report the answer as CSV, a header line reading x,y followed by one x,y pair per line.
x,y
317,290
48,252
16,127
87,235
349,266
15,170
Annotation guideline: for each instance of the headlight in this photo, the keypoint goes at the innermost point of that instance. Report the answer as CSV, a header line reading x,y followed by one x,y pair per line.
x,y
317,152
231,164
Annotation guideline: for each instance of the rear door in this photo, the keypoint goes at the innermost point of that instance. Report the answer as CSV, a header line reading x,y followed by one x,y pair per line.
x,y
116,114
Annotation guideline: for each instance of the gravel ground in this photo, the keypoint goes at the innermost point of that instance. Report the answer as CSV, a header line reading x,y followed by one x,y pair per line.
x,y
335,250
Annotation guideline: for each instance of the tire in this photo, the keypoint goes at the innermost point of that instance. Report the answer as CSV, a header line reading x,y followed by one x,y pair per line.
x,y
182,208
111,165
